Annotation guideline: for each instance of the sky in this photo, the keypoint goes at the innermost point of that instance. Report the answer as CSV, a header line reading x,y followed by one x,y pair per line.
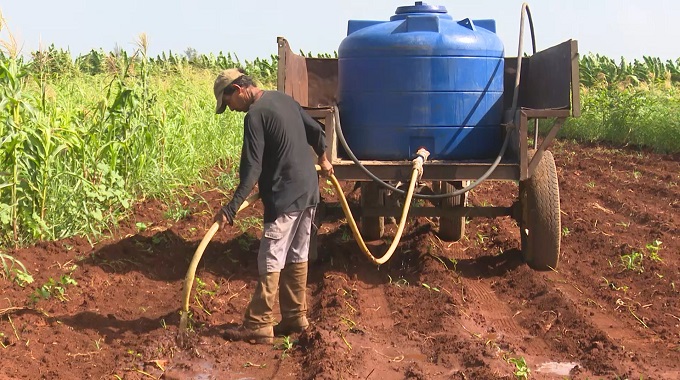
x,y
615,28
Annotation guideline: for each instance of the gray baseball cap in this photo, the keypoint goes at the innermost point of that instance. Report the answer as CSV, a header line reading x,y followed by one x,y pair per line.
x,y
223,80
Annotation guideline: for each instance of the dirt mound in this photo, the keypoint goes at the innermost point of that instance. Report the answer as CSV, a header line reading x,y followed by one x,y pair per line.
x,y
464,310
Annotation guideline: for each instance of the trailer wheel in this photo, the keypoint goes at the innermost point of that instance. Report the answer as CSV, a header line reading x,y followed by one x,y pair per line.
x,y
451,229
540,225
372,227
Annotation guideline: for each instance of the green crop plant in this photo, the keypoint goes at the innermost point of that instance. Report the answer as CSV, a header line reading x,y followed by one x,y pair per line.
x,y
328,188
653,250
244,224
177,212
286,345
14,270
54,288
202,288
633,261
522,371
245,241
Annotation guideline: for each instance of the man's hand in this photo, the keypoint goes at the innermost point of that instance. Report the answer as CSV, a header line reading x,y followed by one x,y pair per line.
x,y
225,215
326,166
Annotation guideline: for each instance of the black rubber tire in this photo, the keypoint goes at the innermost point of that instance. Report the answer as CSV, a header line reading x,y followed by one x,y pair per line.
x,y
541,225
372,227
451,229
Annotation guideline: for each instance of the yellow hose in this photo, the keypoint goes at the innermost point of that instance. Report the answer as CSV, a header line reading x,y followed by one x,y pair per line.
x,y
189,278
191,272
355,229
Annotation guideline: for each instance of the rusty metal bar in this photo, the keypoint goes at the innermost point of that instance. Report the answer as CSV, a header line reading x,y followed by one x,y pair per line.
x,y
470,212
433,171
545,113
521,120
544,144
281,71
430,212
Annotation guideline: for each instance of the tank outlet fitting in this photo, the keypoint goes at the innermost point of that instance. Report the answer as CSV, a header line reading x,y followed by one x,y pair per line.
x,y
421,156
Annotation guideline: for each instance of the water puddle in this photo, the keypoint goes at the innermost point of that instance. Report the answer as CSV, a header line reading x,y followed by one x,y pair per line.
x,y
561,369
199,370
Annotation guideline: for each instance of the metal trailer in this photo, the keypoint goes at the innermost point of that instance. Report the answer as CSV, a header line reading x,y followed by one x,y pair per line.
x,y
548,89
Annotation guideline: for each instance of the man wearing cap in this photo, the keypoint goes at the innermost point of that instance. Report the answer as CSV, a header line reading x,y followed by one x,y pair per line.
x,y
277,134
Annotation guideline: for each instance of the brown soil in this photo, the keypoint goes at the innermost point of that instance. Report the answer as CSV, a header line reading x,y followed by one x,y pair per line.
x,y
436,310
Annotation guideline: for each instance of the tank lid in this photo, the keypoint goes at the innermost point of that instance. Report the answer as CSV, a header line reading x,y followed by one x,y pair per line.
x,y
420,7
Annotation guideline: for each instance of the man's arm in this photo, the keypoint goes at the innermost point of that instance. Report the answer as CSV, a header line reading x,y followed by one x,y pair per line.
x,y
249,170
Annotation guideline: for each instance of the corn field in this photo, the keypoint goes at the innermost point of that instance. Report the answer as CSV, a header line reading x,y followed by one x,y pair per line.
x,y
79,147
83,139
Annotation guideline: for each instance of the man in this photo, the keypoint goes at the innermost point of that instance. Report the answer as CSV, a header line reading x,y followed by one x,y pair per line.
x,y
275,154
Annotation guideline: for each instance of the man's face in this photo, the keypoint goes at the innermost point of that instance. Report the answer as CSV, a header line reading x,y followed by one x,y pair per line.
x,y
236,101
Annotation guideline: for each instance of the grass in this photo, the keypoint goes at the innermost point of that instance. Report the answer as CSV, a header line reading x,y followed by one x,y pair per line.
x,y
644,115
15,270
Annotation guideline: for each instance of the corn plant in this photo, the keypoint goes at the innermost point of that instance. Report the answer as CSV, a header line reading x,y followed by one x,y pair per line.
x,y
16,114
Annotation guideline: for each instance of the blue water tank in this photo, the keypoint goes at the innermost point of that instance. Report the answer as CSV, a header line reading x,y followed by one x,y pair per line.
x,y
421,80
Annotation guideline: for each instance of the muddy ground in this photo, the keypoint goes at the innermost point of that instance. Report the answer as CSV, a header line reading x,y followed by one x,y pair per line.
x,y
436,310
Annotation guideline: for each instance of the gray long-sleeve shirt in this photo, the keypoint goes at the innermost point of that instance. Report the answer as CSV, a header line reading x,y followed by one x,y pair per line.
x,y
275,154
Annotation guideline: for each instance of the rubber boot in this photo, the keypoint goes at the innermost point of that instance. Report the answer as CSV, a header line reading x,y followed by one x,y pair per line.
x,y
292,298
262,335
259,319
